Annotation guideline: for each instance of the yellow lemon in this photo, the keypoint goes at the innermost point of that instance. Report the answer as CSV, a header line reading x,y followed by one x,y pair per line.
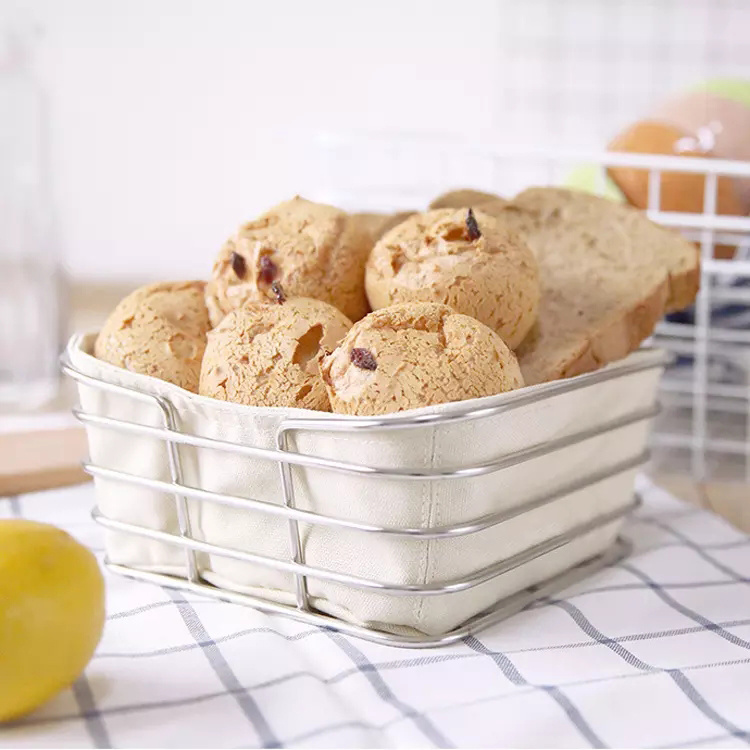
x,y
51,613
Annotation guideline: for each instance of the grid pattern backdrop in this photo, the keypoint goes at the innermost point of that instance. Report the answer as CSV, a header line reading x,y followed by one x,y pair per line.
x,y
652,652
571,74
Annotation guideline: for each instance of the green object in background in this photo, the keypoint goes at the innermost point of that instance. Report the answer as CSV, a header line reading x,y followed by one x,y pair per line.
x,y
594,179
736,89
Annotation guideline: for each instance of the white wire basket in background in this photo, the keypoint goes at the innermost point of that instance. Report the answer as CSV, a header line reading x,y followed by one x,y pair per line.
x,y
704,429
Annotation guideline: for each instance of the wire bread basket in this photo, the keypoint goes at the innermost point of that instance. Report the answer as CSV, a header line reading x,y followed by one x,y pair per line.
x,y
413,529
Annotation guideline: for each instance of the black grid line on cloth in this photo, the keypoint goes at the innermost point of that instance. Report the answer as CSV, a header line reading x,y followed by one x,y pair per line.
x,y
682,682
192,646
93,719
419,661
676,586
595,680
708,545
379,728
672,515
682,609
426,660
82,692
352,724
147,607
640,586
223,670
698,550
370,672
709,741
614,587
513,675
204,601
700,702
630,638
528,688
596,635
337,727
646,635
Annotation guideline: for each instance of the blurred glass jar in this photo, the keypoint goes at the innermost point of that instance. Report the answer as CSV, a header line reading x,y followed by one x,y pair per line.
x,y
31,299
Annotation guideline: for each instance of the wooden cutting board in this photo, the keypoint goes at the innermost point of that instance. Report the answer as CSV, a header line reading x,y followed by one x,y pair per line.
x,y
36,460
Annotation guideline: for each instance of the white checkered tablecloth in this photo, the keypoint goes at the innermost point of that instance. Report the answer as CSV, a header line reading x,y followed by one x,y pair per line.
x,y
652,652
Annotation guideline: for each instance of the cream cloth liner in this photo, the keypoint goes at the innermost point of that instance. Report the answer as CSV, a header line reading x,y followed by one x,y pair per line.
x,y
373,500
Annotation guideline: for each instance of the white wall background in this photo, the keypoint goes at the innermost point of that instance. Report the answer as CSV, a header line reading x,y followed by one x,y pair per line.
x,y
172,120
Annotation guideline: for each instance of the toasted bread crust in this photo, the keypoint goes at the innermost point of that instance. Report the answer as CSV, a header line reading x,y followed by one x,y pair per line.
x,y
683,287
607,274
610,343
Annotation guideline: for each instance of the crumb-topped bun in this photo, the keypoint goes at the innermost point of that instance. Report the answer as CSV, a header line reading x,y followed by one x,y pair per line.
x,y
267,355
158,330
416,354
462,258
312,249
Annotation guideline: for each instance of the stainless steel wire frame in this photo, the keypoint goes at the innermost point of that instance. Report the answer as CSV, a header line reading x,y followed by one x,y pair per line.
x,y
173,437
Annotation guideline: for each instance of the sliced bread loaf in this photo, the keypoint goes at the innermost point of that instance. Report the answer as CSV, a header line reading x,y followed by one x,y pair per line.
x,y
607,276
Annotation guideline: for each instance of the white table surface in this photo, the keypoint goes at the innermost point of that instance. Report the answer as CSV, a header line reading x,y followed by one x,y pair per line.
x,y
652,652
